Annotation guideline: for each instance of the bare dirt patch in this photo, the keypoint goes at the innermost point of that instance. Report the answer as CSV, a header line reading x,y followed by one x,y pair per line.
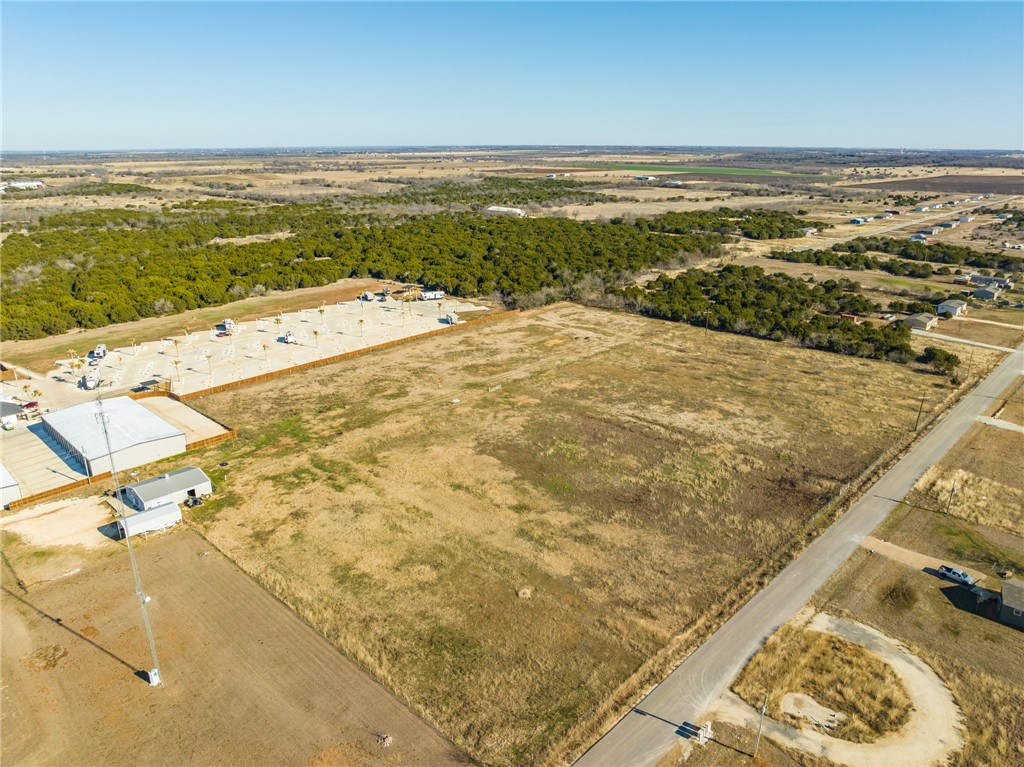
x,y
626,471
246,682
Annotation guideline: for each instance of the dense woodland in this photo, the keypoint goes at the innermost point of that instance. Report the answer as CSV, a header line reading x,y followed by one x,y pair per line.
x,y
745,300
91,188
756,224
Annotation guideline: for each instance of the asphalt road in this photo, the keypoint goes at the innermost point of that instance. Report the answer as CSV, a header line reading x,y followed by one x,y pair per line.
x,y
649,730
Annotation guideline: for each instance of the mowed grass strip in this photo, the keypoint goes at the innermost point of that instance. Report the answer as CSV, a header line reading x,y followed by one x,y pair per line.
x,y
503,524
836,673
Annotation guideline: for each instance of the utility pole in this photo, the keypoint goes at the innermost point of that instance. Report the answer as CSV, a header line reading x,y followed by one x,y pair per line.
x,y
154,673
952,492
757,743
970,364
919,410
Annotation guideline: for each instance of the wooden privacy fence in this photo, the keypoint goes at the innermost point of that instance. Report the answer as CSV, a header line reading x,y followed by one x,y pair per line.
x,y
231,433
186,396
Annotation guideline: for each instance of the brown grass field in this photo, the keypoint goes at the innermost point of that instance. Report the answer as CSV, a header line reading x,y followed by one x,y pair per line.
x,y
503,524
836,673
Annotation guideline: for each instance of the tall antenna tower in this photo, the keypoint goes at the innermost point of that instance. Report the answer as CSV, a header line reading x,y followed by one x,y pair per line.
x,y
154,673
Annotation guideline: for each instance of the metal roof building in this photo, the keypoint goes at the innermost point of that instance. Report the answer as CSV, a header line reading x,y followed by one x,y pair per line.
x,y
172,487
10,490
157,518
137,435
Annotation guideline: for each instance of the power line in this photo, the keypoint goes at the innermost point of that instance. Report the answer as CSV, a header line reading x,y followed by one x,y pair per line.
x,y
154,673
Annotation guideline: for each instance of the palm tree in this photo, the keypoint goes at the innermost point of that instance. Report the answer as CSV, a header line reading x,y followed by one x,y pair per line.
x,y
322,310
177,350
316,338
361,322
177,368
266,352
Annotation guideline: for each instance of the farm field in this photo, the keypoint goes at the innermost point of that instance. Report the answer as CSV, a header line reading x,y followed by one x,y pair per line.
x,y
684,168
245,681
510,523
997,183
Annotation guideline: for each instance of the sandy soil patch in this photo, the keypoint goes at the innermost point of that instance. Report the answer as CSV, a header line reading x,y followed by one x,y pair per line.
x,y
930,737
67,522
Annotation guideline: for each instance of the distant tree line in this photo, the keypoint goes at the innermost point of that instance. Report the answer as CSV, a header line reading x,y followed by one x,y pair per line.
x,y
92,188
776,306
758,224
937,253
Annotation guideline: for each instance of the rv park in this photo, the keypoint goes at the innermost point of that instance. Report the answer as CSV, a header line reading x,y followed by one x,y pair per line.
x,y
379,523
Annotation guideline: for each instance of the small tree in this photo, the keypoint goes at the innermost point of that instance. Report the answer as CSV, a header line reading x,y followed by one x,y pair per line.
x,y
943,362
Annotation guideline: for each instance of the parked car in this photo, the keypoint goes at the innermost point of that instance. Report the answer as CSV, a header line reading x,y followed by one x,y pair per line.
x,y
30,406
956,575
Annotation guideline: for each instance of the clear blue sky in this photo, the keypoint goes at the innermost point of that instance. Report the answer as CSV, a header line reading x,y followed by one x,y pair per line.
x,y
185,75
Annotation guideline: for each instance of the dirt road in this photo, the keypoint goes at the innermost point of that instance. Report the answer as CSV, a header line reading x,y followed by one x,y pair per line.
x,y
246,682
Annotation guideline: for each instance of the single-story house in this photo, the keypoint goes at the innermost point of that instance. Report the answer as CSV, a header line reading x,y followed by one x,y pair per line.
x,y
966,219
1004,216
962,279
918,238
172,487
1011,603
9,414
921,321
857,220
809,230
158,518
852,317
644,178
953,307
987,294
922,208
884,216
949,224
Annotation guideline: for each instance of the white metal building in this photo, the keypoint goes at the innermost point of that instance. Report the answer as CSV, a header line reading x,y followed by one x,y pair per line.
x,y
9,413
137,435
172,487
10,490
157,518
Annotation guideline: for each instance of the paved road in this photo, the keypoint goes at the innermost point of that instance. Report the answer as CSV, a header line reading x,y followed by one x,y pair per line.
x,y
650,729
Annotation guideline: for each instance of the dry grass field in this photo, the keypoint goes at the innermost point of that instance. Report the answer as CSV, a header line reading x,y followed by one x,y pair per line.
x,y
503,524
838,674
985,468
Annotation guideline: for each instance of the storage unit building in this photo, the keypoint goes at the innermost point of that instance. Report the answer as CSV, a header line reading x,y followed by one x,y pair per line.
x,y
10,490
173,487
157,518
137,435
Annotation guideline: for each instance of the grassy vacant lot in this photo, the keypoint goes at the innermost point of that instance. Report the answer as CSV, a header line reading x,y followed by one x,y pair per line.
x,y
976,657
985,468
504,523
836,673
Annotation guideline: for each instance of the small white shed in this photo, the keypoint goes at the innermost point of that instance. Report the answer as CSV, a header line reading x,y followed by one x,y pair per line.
x,y
173,487
151,520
